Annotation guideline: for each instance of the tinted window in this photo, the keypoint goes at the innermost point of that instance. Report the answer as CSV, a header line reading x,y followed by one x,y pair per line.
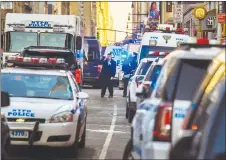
x,y
37,86
191,74
144,68
146,49
92,50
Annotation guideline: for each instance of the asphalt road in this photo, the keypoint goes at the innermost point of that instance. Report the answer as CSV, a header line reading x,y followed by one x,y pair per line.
x,y
107,132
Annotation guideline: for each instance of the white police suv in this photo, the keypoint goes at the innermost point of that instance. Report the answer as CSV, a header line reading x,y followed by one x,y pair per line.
x,y
47,107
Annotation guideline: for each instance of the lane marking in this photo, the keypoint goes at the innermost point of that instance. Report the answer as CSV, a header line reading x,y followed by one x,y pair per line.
x,y
106,131
109,136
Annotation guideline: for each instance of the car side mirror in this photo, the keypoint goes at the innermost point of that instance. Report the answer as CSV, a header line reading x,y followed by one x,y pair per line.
x,y
139,78
181,149
82,95
78,43
5,101
132,72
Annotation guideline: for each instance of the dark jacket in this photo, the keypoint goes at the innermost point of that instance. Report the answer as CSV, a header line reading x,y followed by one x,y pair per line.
x,y
108,71
126,68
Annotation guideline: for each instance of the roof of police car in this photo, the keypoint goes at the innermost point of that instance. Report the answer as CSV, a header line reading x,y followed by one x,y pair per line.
x,y
195,53
37,71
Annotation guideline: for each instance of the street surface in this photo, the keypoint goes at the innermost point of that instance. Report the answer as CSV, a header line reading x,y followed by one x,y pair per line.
x,y
107,131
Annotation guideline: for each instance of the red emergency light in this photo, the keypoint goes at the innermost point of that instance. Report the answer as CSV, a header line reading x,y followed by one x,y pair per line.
x,y
202,41
15,59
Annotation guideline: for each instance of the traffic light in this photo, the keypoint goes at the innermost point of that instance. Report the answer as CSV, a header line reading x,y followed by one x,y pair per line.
x,y
98,36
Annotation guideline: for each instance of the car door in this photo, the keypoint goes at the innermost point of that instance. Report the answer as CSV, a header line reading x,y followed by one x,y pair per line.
x,y
81,105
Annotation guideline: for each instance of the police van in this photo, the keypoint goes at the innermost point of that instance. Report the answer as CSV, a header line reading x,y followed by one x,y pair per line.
x,y
162,40
23,30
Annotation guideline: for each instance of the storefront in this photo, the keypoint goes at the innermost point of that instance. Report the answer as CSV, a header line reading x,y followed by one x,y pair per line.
x,y
221,18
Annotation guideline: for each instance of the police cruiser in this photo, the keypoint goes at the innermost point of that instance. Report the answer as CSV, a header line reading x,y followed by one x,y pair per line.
x,y
47,107
158,119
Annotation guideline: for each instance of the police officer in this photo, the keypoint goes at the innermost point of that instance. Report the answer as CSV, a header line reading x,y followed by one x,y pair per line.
x,y
126,68
107,75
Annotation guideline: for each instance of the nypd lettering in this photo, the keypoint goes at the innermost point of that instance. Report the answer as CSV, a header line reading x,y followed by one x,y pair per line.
x,y
39,24
21,113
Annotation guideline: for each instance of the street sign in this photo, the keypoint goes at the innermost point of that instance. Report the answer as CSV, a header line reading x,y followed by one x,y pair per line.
x,y
178,13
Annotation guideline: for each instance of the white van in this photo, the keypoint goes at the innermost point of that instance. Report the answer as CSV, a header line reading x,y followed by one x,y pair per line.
x,y
159,43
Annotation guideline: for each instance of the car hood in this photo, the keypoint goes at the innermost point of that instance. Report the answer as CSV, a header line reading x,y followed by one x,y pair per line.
x,y
36,107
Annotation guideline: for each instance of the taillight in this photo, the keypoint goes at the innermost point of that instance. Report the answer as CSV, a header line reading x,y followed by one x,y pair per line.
x,y
78,75
99,68
138,84
162,128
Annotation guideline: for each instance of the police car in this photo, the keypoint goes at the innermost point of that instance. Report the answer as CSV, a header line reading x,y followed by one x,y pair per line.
x,y
153,134
47,107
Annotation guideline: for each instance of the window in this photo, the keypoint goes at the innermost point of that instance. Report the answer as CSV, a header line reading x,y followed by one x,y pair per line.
x,y
56,40
37,86
154,75
17,41
191,74
144,68
146,49
92,50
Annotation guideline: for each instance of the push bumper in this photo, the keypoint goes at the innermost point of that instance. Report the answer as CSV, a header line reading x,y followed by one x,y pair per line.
x,y
48,134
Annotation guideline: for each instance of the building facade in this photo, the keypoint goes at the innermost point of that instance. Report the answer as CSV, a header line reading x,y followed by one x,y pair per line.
x,y
103,23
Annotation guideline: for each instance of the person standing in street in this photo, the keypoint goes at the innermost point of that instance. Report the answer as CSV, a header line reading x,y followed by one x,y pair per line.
x,y
107,75
126,70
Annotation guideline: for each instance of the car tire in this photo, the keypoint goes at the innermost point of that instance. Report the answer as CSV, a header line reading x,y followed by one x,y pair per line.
x,y
128,150
130,115
82,143
127,110
5,148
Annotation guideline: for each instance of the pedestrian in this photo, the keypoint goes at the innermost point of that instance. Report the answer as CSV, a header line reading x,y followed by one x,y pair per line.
x,y
126,70
107,75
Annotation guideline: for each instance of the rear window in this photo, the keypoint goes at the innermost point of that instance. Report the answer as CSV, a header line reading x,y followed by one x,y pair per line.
x,y
146,49
144,68
191,74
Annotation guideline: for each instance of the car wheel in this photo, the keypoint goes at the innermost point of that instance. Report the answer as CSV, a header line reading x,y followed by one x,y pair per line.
x,y
82,143
130,115
5,148
127,109
71,152
128,150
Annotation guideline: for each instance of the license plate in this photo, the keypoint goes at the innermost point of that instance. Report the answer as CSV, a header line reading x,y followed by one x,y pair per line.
x,y
19,134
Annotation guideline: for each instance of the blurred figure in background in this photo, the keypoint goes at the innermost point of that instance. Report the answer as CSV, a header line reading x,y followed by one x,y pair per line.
x,y
128,66
107,75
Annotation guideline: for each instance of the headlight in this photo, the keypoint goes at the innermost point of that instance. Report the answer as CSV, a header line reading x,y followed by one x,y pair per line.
x,y
62,117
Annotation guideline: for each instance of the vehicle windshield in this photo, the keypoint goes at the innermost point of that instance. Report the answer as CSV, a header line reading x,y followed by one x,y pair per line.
x,y
36,86
56,40
145,51
154,74
144,68
17,41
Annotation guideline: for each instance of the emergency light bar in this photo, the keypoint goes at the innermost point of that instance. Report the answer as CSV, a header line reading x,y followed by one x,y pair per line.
x,y
203,42
158,53
37,62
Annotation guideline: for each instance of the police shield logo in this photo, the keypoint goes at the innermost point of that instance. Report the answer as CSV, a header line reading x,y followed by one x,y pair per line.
x,y
166,37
